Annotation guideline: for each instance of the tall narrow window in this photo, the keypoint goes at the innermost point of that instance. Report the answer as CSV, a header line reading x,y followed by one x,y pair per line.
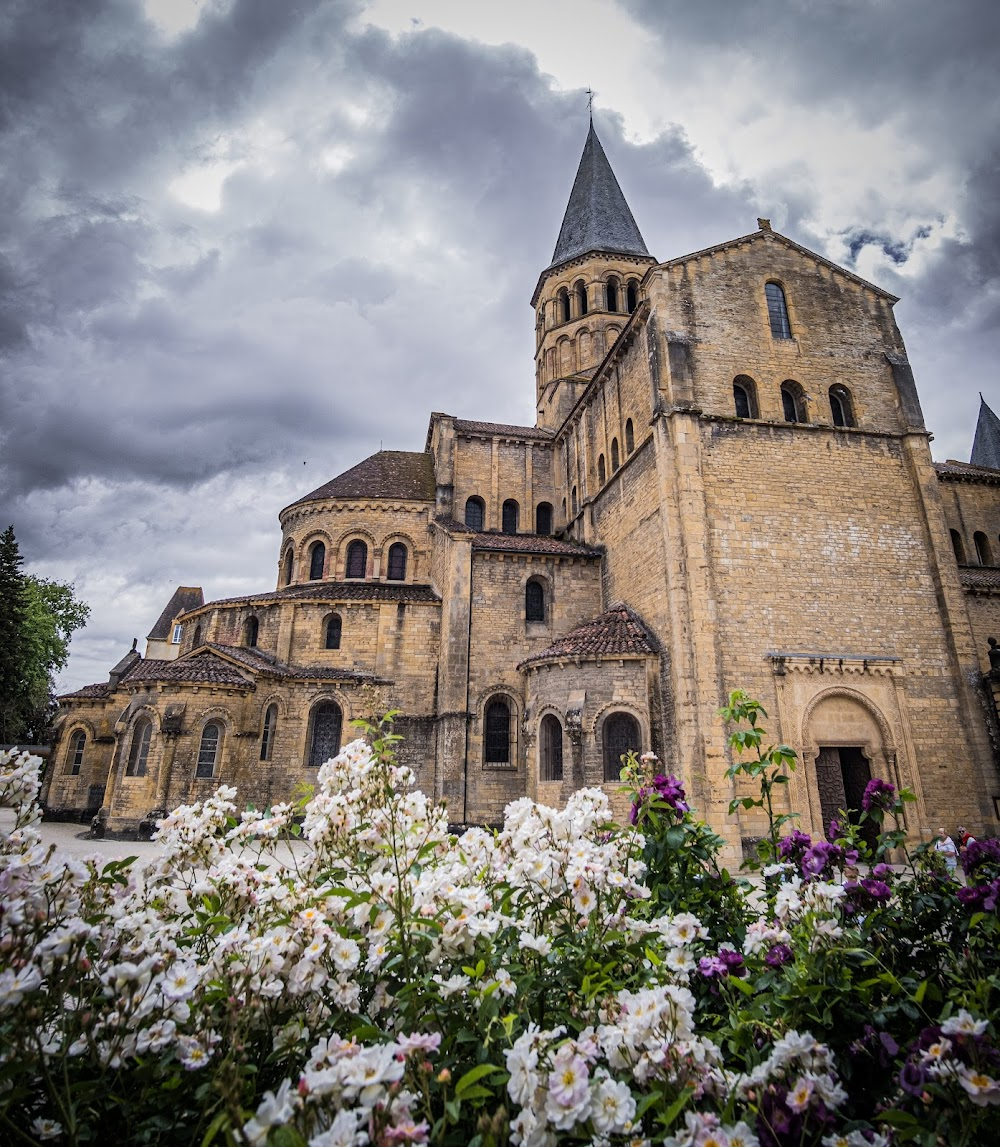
x,y
289,559
175,636
497,748
267,736
841,407
196,640
357,559
745,397
74,758
397,562
632,296
208,750
534,601
602,472
475,513
958,546
621,736
573,502
510,515
564,305
551,763
543,519
139,749
983,551
615,460
581,297
324,733
612,294
251,630
334,626
317,560
793,402
777,311
629,436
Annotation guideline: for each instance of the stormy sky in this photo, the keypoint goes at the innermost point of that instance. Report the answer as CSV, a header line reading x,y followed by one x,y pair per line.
x,y
245,242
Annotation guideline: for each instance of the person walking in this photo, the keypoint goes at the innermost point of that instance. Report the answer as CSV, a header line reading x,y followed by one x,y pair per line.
x,y
945,846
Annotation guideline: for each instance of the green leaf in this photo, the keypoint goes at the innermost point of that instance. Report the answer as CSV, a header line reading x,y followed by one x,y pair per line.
x,y
918,995
214,1127
473,1076
670,1115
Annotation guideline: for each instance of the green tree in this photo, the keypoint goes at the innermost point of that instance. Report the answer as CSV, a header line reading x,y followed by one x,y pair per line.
x,y
37,619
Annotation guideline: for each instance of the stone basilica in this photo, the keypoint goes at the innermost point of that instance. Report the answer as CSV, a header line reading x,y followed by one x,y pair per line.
x,y
728,485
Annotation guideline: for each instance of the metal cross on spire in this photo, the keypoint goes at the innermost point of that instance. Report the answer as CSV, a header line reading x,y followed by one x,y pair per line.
x,y
590,104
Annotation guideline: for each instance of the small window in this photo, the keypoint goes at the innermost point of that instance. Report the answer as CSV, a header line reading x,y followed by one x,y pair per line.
x,y
983,551
175,636
745,397
357,559
777,313
602,471
534,601
267,736
510,514
615,461
74,758
250,632
317,560
621,736
958,546
793,402
543,519
841,407
397,562
581,297
289,559
324,733
573,502
629,437
612,294
334,626
564,304
497,747
475,513
139,749
551,763
208,750
632,296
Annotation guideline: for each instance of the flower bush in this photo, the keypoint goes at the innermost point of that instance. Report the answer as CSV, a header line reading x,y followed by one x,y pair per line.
x,y
560,980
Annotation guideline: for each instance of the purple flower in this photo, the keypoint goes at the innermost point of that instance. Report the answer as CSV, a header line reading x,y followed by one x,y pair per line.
x,y
883,872
671,790
778,954
881,794
793,846
876,889
980,852
820,859
711,967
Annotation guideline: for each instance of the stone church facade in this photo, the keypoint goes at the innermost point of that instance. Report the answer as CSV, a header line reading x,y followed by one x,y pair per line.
x,y
728,485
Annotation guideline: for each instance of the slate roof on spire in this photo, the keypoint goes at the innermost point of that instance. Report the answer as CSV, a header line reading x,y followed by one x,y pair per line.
x,y
597,217
986,445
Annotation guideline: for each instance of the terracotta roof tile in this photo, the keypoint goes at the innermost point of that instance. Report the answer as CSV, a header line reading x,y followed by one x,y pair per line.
x,y
185,597
401,474
518,543
199,668
332,591
980,577
101,689
966,470
502,429
617,633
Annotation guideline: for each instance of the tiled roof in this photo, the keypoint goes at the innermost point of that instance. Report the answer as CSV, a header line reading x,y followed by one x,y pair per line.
x,y
531,544
502,429
201,668
400,474
617,633
965,471
185,597
336,591
99,690
980,578
259,662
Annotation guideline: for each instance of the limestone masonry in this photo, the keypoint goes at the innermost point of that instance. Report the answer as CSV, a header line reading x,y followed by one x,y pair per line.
x,y
728,485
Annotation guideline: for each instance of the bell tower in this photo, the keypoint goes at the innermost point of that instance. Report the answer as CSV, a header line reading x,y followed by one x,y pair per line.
x,y
586,294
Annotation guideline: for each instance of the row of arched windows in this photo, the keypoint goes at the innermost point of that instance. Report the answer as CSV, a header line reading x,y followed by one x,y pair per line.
x,y
332,631
794,404
602,469
574,302
510,515
981,544
355,561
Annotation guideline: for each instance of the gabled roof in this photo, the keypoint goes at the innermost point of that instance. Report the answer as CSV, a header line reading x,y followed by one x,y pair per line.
x,y
494,540
597,217
952,471
404,475
185,597
617,633
200,667
986,445
500,429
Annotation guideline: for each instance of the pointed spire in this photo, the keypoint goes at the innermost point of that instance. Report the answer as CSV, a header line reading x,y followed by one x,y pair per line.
x,y
986,446
597,217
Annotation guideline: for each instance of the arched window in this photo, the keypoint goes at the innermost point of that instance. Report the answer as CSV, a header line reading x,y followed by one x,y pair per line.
x,y
621,736
958,546
629,437
497,739
777,312
196,640
317,560
745,397
324,733
251,629
534,601
632,296
551,746
74,758
357,559
475,513
602,472
334,626
208,750
581,296
983,551
397,562
841,407
543,519
612,294
509,517
267,736
572,498
139,749
563,297
289,559
793,402
615,461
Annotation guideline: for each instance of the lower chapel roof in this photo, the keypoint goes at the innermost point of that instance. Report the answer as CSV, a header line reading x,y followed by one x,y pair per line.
x,y
617,633
405,475
465,426
495,540
332,591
